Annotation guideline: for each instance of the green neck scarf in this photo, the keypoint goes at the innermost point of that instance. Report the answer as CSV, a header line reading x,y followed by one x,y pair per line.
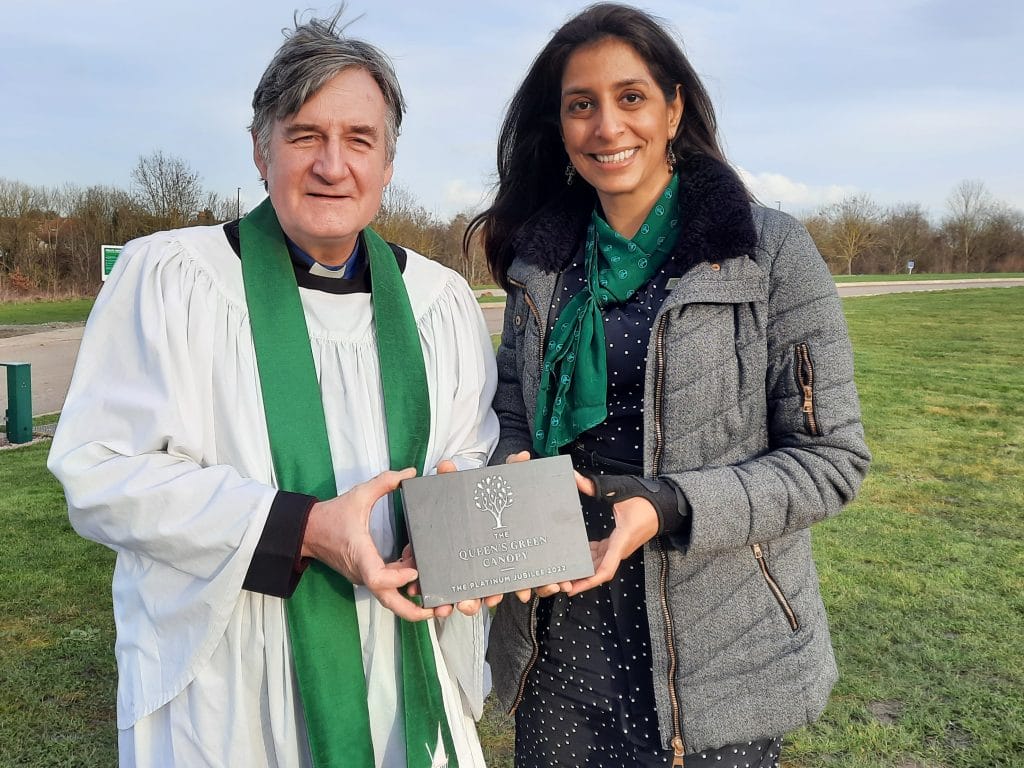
x,y
322,622
573,395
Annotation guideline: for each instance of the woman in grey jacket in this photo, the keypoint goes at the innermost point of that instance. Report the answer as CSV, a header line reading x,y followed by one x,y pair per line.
x,y
688,349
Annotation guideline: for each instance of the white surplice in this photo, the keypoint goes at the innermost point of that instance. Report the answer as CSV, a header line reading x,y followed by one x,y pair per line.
x,y
163,452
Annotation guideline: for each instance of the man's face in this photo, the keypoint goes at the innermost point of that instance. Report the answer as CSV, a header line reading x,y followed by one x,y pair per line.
x,y
327,166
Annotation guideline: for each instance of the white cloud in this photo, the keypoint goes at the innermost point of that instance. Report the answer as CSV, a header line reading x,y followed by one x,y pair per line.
x,y
460,195
776,189
897,100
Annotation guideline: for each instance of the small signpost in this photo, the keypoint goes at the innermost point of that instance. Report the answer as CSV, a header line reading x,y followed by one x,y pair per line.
x,y
108,255
910,267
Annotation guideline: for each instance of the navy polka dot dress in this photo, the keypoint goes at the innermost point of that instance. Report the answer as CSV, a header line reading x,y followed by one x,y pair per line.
x,y
589,699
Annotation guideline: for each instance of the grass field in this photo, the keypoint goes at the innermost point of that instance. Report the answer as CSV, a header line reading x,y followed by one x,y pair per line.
x,y
923,575
76,310
35,312
56,631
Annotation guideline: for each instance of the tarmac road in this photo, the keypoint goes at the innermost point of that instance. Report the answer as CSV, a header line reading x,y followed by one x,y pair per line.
x,y
493,312
52,352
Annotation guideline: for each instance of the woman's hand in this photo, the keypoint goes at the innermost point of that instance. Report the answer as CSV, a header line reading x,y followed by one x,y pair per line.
x,y
636,523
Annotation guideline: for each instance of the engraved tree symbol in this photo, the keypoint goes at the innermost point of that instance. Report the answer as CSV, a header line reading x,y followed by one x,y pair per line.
x,y
494,495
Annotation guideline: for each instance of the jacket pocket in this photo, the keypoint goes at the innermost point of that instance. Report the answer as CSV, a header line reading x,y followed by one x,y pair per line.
x,y
805,381
741,290
773,586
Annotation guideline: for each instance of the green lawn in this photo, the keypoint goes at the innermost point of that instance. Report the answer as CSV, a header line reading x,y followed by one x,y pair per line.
x,y
923,575
56,631
76,310
36,312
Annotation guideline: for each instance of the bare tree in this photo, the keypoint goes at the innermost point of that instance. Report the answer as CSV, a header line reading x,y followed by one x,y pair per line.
x,y
852,229
818,228
50,238
969,207
103,215
903,235
403,220
23,235
168,188
1000,245
216,209
471,262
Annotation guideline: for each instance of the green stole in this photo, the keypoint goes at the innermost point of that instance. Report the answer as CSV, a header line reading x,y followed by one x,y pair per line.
x,y
322,621
573,393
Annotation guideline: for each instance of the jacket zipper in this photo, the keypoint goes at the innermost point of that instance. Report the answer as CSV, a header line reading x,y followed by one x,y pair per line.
x,y
775,588
659,374
540,325
678,745
534,603
805,379
536,600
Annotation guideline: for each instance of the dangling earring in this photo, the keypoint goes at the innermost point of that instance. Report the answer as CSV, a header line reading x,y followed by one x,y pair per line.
x,y
570,174
670,158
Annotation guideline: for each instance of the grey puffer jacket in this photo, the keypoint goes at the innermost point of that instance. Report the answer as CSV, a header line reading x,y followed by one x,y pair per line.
x,y
750,409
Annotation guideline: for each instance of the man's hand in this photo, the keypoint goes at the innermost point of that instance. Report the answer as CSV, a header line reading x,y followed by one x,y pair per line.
x,y
636,523
338,535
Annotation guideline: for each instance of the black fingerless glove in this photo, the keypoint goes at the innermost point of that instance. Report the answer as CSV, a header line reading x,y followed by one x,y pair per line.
x,y
668,501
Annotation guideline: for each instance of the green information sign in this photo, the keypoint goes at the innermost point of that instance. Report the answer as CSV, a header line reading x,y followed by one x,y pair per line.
x,y
108,255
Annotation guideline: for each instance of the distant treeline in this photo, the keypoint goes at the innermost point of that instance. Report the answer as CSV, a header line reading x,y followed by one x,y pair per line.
x,y
50,238
976,233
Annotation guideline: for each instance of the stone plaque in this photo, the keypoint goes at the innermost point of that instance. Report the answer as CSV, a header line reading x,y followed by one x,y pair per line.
x,y
495,530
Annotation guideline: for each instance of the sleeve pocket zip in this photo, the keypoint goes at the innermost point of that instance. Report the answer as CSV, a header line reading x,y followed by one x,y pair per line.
x,y
805,380
774,587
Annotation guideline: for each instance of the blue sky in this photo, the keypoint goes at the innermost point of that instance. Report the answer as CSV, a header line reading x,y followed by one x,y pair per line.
x,y
899,100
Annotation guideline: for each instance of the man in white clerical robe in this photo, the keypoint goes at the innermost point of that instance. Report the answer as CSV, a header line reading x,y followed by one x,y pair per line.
x,y
164,451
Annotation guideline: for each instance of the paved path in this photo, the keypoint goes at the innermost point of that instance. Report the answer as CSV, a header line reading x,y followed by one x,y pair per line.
x,y
493,312
52,352
875,289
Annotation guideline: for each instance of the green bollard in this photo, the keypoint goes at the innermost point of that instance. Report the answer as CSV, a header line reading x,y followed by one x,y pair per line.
x,y
19,402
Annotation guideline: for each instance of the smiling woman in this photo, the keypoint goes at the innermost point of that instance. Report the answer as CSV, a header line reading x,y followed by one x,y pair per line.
x,y
687,348
616,124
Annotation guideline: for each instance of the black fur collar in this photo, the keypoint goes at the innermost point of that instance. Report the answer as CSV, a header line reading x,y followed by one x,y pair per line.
x,y
716,220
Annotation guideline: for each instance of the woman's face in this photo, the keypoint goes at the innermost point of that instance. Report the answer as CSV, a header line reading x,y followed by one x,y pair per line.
x,y
616,123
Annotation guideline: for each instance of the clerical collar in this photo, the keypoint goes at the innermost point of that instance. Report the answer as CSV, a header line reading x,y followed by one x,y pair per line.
x,y
358,283
346,271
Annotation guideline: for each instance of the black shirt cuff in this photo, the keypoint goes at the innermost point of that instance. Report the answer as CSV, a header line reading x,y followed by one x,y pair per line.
x,y
669,502
676,518
276,565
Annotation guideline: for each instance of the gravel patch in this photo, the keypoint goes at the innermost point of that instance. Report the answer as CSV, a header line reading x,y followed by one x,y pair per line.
x,y
7,331
39,434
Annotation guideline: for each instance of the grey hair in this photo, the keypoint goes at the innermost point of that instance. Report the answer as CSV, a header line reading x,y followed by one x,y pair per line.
x,y
313,53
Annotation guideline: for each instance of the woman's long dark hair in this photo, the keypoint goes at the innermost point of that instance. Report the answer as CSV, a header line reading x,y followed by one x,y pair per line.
x,y
531,157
